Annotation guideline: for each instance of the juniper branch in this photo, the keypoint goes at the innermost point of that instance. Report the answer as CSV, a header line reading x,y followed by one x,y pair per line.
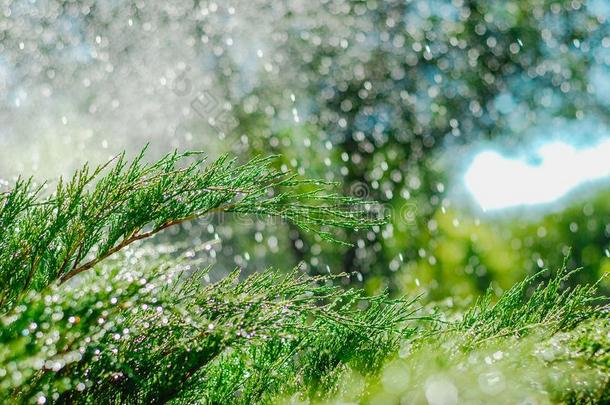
x,y
145,333
101,211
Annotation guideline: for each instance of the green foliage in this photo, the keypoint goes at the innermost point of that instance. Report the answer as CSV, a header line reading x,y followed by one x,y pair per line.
x,y
94,215
151,332
149,327
526,306
500,251
537,343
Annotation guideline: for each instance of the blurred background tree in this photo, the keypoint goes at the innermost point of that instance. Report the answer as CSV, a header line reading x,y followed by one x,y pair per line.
x,y
390,98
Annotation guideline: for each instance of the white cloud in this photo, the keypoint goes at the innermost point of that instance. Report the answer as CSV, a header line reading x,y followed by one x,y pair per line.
x,y
498,182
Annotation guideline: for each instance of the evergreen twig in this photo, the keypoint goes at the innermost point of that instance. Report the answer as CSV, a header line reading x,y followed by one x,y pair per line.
x,y
101,211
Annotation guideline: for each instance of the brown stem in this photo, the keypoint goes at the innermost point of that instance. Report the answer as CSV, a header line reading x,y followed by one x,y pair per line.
x,y
135,237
